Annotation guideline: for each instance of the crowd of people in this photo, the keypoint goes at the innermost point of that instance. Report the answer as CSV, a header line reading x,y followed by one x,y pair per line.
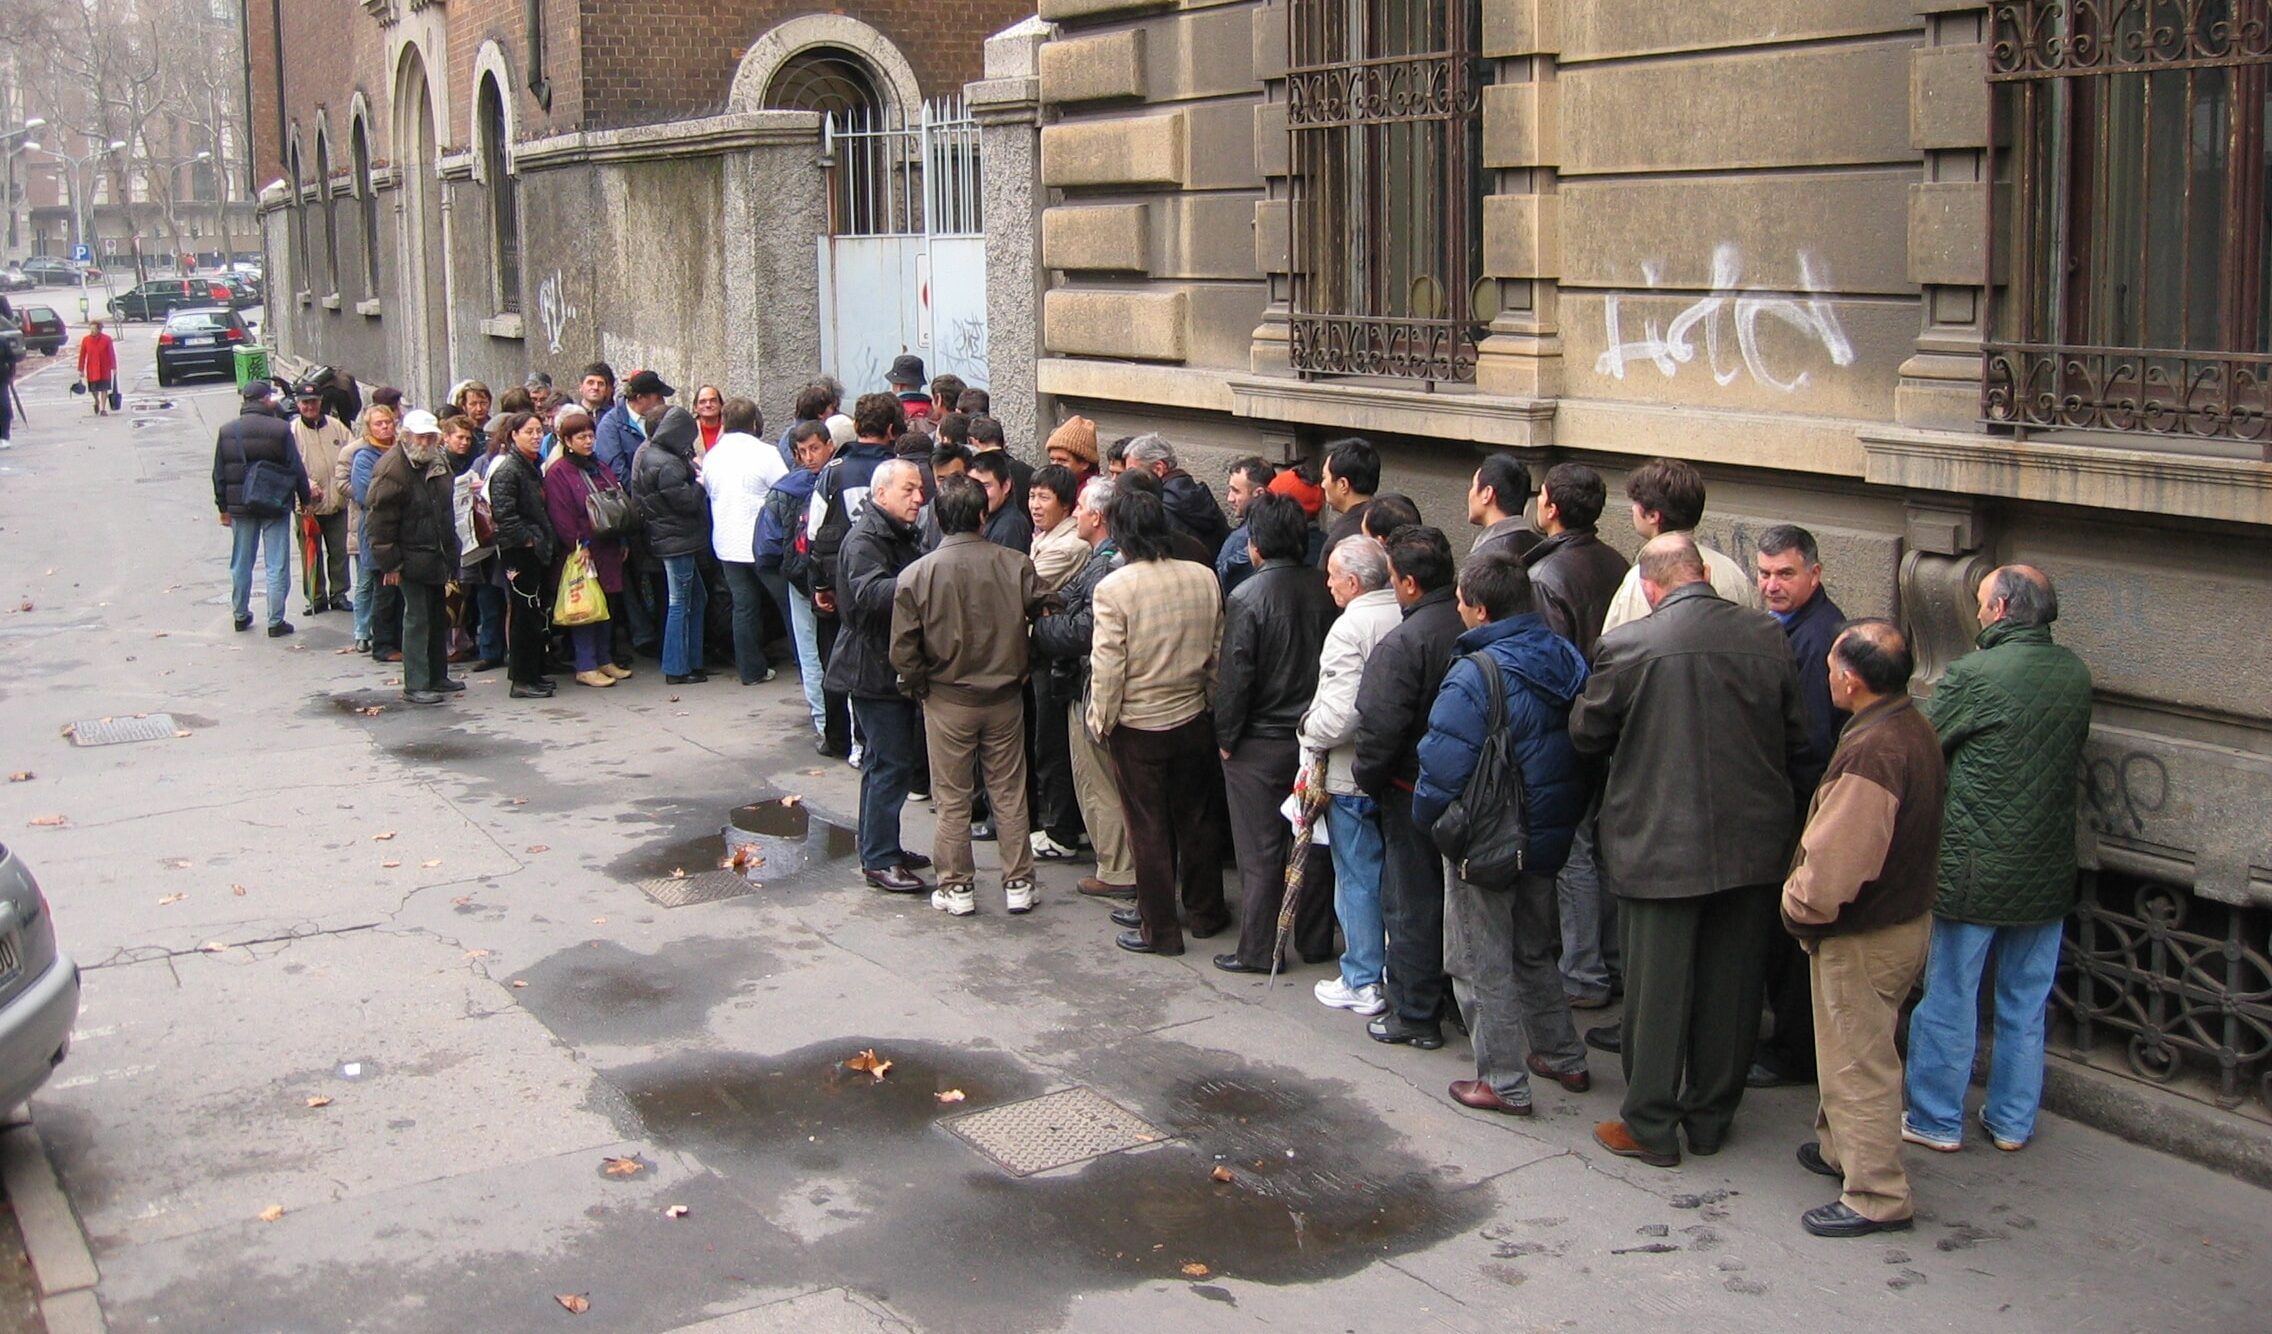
x,y
1490,788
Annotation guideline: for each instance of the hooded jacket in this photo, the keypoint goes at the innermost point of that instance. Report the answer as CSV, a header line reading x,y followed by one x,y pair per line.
x,y
671,500
868,566
1541,674
1192,509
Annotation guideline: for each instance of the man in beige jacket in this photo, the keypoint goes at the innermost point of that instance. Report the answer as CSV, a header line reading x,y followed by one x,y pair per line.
x,y
321,439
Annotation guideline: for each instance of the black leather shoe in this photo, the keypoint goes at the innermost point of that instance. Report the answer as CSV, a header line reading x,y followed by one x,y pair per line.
x,y
545,684
528,692
826,749
896,880
1394,1027
1765,1076
914,861
450,685
279,629
1127,917
421,697
340,604
684,680
1207,933
1231,963
481,665
1810,1158
1836,1220
315,609
1609,1038
243,623
982,832
1134,943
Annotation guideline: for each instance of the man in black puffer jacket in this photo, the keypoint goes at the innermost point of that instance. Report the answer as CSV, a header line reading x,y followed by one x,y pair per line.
x,y
412,505
676,510
884,541
256,435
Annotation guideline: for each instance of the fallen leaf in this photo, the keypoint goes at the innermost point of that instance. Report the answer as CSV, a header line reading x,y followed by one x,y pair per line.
x,y
391,863
674,699
382,837
519,982
211,947
575,1302
951,1095
20,776
50,821
159,635
1222,1174
24,607
678,873
519,801
341,652
744,859
171,898
271,1213
538,847
318,1100
676,1211
430,863
238,890
870,1063
623,1167
181,731
791,801
180,863
477,954
1196,1270
461,900
599,921
372,710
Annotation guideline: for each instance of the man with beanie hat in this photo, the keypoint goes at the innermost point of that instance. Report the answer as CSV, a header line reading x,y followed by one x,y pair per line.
x,y
1074,445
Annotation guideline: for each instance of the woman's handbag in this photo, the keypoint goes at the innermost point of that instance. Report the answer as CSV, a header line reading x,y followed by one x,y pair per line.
x,y
117,400
581,600
611,511
78,386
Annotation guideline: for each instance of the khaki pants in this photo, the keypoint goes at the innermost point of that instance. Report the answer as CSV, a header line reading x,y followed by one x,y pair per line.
x,y
1100,802
962,738
1860,982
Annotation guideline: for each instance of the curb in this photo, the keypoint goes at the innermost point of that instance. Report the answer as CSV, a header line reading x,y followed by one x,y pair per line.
x,y
60,1259
2219,1140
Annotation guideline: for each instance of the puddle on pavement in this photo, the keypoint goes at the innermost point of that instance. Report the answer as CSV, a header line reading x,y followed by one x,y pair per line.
x,y
601,992
785,835
801,1130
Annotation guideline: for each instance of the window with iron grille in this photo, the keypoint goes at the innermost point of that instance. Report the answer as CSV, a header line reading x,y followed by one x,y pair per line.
x,y
1383,97
2131,242
504,206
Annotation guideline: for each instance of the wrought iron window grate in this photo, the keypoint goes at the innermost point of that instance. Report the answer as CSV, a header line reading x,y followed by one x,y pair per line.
x,y
889,177
2130,250
1384,97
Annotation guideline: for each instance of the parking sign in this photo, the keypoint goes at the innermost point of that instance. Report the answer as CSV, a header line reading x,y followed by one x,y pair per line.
x,y
81,253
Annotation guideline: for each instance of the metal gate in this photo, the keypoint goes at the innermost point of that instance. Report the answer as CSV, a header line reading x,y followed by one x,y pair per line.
x,y
903,268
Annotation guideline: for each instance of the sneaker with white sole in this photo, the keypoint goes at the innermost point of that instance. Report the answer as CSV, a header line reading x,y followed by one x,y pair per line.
x,y
954,900
1049,849
1020,895
1925,1141
1341,996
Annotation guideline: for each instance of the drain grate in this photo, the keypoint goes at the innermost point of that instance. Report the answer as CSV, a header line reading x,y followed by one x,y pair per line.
x,y
1054,1130
114,731
707,887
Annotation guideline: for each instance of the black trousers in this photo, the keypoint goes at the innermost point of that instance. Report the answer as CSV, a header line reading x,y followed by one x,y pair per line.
x,y
1412,907
425,628
1256,780
1164,778
1056,809
386,618
836,706
1790,998
526,617
1692,984
328,579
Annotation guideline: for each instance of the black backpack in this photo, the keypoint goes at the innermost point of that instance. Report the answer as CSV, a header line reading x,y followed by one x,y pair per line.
x,y
1485,832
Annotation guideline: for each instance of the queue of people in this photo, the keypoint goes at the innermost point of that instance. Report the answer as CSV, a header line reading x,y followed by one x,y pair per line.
x,y
1500,786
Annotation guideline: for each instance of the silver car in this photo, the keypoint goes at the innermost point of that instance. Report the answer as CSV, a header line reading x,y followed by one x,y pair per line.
x,y
39,985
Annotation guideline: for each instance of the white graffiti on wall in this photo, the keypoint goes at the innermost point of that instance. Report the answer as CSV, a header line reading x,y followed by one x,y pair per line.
x,y
1805,312
553,310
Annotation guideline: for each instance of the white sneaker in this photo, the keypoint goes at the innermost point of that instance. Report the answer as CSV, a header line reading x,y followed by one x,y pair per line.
x,y
858,754
955,900
917,794
1341,996
1020,895
1049,849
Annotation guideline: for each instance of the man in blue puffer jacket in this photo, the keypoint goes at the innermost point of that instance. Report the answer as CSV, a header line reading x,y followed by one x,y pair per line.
x,y
1499,944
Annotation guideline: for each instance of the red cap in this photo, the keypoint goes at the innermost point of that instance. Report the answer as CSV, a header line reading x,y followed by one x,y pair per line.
x,y
1290,483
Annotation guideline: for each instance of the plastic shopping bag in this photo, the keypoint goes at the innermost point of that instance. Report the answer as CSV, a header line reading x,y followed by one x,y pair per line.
x,y
581,602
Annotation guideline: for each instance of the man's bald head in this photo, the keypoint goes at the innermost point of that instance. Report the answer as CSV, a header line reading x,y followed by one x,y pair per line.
x,y
1869,661
2021,594
1669,562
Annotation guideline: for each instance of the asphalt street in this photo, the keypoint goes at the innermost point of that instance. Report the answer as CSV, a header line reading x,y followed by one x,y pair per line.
x,y
381,1031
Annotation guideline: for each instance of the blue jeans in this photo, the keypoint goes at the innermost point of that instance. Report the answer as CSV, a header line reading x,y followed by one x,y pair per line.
x,y
1591,965
366,590
804,629
489,616
1946,1027
682,626
886,777
1353,830
272,539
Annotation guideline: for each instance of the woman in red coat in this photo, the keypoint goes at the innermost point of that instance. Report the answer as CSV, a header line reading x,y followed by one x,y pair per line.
x,y
98,365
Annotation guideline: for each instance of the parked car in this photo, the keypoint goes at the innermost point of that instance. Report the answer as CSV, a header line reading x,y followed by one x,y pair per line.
x,y
14,279
43,329
56,272
39,985
243,291
160,297
200,341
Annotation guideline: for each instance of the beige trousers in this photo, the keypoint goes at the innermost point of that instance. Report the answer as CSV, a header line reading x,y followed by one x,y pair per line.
x,y
1860,982
962,739
1099,798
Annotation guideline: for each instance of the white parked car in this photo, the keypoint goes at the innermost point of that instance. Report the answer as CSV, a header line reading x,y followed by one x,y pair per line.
x,y
39,985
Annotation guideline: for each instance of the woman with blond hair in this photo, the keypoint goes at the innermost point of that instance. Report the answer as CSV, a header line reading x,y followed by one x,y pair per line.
x,y
351,477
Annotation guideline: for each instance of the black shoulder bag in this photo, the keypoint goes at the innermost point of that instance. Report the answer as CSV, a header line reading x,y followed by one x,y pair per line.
x,y
1485,832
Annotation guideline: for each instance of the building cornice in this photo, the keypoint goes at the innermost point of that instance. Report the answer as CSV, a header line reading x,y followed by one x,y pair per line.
x,y
708,136
2095,476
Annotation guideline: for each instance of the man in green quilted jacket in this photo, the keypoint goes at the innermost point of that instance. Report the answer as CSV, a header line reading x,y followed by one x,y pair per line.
x,y
2012,719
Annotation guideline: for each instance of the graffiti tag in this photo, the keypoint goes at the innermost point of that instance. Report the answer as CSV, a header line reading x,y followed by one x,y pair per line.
x,y
1728,311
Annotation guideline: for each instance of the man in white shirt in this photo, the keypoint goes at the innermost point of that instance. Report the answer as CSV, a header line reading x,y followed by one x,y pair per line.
x,y
737,472
1668,497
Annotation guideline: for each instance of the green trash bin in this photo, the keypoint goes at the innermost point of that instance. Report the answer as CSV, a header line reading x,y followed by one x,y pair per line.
x,y
252,364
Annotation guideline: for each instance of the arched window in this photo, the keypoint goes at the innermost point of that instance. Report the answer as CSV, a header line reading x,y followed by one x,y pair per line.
x,y
504,209
299,222
828,80
330,212
367,202
873,190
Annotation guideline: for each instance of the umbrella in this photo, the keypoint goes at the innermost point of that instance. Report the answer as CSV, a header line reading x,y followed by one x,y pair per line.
x,y
311,554
1309,801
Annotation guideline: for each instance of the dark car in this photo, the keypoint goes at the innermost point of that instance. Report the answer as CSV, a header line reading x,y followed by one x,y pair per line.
x,y
201,341
14,279
243,291
57,271
39,986
43,329
160,297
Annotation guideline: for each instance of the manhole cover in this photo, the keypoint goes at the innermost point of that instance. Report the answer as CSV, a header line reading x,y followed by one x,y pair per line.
x,y
707,887
112,731
1054,1130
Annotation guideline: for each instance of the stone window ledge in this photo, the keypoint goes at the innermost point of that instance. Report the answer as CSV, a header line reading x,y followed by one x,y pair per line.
x,y
503,326
1458,414
371,308
331,301
305,299
2100,477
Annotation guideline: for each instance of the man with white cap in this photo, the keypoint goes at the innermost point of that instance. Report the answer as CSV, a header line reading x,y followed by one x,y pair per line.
x,y
414,543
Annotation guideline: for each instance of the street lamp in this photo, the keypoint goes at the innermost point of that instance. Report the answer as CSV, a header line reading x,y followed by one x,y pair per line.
x,y
219,218
76,161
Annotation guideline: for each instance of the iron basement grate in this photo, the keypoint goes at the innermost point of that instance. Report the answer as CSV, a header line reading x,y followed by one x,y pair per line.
x,y
704,887
115,731
1054,1130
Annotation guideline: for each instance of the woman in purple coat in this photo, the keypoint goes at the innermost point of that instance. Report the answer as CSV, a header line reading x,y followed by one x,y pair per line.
x,y
571,478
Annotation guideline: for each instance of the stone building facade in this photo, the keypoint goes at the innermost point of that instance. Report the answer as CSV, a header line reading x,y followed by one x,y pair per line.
x,y
1756,235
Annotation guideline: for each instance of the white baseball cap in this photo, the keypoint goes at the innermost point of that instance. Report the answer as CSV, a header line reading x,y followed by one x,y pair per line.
x,y
418,421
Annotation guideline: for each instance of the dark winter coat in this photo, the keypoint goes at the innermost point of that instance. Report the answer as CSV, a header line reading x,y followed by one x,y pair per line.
x,y
843,485
1061,640
1398,688
1810,631
1697,707
672,504
867,566
516,503
1192,509
413,516
568,484
1274,624
1541,674
2012,720
255,435
1573,577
